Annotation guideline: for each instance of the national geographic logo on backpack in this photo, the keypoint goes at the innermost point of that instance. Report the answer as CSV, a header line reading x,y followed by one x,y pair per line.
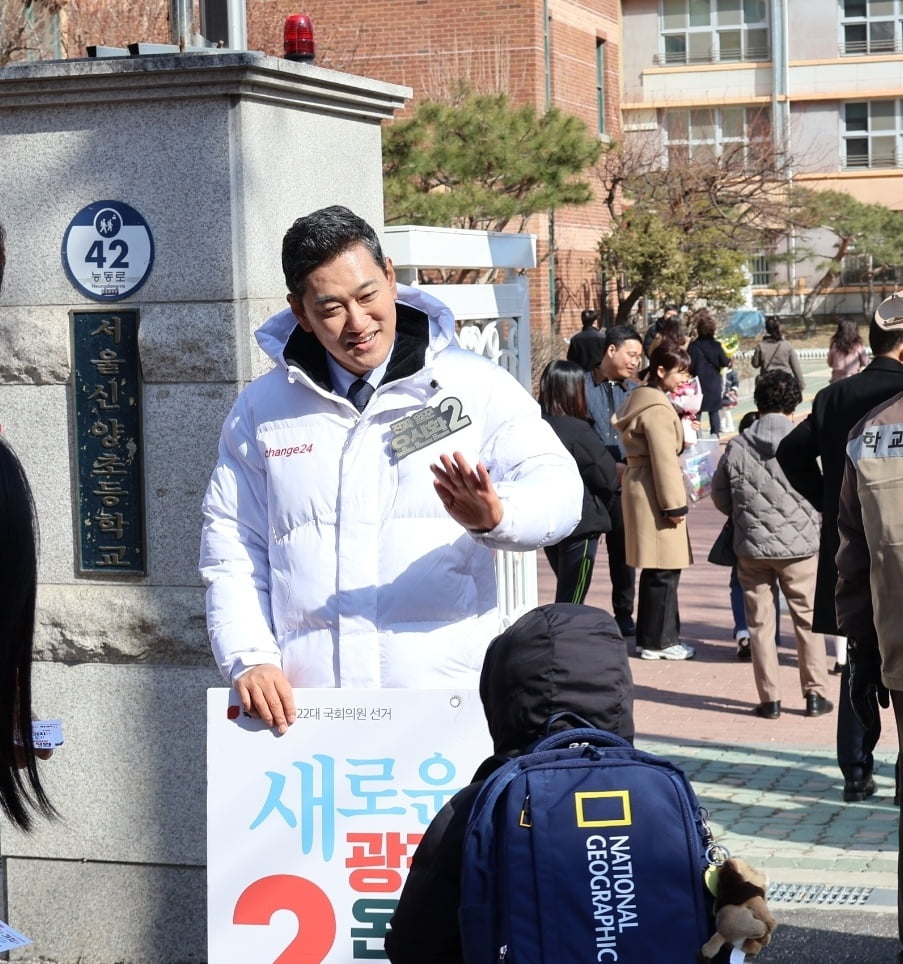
x,y
603,808
609,863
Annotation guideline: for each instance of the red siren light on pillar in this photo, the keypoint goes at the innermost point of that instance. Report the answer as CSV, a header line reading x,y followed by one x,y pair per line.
x,y
298,37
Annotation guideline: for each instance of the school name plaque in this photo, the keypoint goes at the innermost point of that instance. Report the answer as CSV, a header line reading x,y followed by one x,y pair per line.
x,y
107,412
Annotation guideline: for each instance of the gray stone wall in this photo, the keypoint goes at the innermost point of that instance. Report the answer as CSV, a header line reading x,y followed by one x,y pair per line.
x,y
219,153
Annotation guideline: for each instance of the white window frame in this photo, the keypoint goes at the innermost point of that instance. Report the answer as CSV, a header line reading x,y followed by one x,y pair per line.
x,y
601,99
877,156
871,44
856,268
761,270
719,141
718,24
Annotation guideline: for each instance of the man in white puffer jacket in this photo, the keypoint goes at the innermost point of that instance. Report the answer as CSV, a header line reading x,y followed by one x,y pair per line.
x,y
355,548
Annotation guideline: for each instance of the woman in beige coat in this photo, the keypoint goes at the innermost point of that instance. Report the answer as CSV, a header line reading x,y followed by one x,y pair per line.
x,y
654,501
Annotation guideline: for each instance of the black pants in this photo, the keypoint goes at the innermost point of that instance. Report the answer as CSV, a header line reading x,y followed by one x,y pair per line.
x,y
855,743
896,701
657,617
622,576
572,562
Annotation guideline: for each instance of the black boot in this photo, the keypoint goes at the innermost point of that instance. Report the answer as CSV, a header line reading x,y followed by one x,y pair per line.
x,y
769,710
817,705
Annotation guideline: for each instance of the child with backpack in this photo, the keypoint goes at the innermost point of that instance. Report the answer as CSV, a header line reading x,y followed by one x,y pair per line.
x,y
557,658
570,845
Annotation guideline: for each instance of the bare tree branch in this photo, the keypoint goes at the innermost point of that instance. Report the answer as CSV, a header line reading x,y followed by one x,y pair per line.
x,y
684,224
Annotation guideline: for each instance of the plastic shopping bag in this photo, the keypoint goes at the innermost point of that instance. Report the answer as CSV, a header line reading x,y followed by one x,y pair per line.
x,y
698,464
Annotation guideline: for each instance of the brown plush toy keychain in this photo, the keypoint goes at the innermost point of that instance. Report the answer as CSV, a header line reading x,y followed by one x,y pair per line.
x,y
742,917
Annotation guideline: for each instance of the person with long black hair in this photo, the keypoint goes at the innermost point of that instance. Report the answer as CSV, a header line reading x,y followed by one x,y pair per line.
x,y
563,402
846,353
21,791
708,360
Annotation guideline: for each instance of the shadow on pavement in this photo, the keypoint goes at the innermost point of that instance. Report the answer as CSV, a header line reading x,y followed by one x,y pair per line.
x,y
781,794
718,703
809,936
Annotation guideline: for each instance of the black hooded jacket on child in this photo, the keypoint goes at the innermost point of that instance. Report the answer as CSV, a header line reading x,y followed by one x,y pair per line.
x,y
556,658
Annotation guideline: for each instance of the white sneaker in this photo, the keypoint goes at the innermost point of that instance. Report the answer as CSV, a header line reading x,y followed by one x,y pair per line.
x,y
674,651
740,635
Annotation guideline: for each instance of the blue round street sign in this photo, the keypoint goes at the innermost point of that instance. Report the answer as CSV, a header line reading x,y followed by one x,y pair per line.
x,y
108,250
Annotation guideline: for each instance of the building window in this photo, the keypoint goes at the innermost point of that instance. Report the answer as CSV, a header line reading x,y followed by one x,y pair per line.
x,y
760,271
741,134
854,269
871,26
712,31
860,269
600,85
873,133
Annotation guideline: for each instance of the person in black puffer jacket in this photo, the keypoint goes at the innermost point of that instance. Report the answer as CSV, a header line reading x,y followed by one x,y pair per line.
x,y
563,403
556,658
707,359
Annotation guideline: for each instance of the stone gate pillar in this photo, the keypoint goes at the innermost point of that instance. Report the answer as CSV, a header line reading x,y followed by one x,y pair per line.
x,y
217,154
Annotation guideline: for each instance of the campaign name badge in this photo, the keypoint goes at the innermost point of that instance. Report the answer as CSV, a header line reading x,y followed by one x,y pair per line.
x,y
11,939
46,734
108,250
429,425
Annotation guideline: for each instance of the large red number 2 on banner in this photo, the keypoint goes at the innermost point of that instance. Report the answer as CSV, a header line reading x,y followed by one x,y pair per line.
x,y
310,905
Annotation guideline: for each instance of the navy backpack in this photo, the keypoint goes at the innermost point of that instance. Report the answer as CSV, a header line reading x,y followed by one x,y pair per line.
x,y
585,849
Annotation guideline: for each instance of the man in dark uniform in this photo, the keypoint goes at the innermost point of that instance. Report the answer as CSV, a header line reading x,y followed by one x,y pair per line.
x,y
586,347
835,410
869,563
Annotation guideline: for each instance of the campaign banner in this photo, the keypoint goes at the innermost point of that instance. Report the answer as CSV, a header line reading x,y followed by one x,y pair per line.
x,y
310,834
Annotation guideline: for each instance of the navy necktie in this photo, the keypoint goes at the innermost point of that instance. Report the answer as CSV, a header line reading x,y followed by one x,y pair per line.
x,y
360,393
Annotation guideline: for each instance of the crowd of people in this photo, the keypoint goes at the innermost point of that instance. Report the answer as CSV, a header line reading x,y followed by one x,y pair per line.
x,y
779,483
621,410
813,524
417,460
632,397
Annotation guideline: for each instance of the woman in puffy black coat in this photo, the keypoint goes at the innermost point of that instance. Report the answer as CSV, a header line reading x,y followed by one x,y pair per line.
x,y
707,359
561,396
556,658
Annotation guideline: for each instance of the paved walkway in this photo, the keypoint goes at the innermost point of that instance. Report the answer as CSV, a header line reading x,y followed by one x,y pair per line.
x,y
773,788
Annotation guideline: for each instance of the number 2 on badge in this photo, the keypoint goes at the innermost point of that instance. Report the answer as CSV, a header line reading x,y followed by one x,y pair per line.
x,y
451,408
310,905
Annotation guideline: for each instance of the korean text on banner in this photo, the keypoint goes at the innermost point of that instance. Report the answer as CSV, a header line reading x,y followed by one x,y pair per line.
x,y
310,835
